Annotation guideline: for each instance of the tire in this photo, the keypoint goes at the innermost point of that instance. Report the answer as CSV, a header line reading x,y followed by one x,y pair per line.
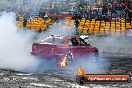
x,y
96,53
95,56
69,58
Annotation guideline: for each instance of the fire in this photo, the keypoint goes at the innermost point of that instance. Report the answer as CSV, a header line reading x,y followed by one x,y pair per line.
x,y
81,71
63,62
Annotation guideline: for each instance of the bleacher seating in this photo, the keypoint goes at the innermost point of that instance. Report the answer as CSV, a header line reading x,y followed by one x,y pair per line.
x,y
36,23
101,27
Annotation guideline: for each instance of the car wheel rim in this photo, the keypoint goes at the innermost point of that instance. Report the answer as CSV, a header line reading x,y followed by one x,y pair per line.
x,y
69,58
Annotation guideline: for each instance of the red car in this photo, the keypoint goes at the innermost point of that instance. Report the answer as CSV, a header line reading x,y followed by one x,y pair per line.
x,y
64,48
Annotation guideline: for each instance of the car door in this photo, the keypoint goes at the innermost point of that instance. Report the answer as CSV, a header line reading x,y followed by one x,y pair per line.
x,y
73,46
61,48
83,47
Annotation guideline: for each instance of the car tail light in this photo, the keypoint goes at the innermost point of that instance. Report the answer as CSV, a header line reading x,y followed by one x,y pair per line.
x,y
33,48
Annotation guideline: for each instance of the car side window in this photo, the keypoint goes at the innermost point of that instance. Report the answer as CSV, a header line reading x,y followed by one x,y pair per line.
x,y
82,42
73,42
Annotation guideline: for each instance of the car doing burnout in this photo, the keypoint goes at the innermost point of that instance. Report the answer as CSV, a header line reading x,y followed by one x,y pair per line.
x,y
64,48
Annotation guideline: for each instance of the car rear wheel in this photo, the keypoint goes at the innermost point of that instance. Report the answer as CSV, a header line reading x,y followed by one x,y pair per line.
x,y
96,53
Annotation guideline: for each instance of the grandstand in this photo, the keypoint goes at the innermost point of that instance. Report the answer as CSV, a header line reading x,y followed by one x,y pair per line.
x,y
101,27
100,18
35,23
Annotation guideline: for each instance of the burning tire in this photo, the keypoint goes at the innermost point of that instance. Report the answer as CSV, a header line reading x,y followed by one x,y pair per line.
x,y
69,58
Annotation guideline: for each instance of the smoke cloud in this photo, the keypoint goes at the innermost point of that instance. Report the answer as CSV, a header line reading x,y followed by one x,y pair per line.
x,y
58,28
91,65
113,45
16,45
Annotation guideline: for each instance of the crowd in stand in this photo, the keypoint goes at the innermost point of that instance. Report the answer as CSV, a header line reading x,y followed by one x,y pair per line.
x,y
100,10
108,10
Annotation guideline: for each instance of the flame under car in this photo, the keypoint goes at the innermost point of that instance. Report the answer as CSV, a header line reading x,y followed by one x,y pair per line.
x,y
65,49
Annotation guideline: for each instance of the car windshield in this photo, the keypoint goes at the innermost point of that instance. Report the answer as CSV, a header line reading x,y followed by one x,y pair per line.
x,y
57,40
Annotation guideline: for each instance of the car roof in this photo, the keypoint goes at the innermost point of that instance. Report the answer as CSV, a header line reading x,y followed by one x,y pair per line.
x,y
64,36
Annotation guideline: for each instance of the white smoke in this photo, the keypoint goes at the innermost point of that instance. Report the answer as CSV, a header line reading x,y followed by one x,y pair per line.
x,y
110,46
113,45
58,28
16,45
91,65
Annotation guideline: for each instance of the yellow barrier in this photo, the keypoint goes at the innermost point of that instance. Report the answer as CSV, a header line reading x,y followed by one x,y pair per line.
x,y
85,29
85,26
